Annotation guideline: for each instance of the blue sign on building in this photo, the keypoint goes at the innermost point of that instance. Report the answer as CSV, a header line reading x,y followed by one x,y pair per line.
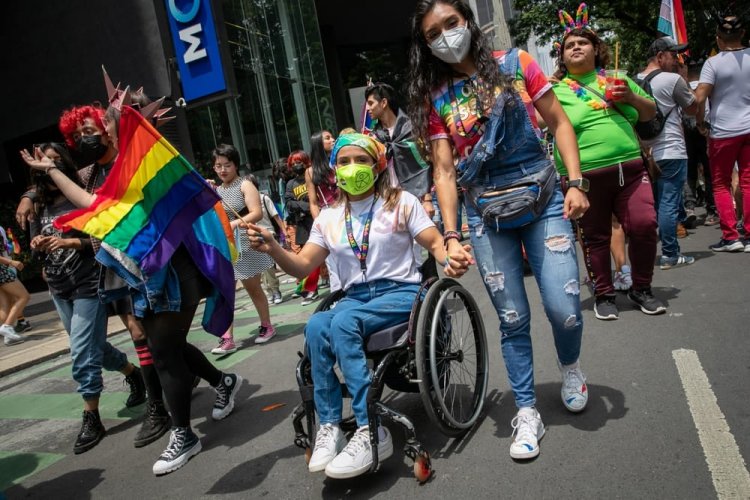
x,y
197,48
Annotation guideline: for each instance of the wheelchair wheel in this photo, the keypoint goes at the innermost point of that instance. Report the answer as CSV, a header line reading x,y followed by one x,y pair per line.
x,y
452,358
329,301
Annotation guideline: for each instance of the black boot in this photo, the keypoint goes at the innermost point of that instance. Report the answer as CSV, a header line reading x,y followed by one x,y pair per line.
x,y
92,431
137,388
156,423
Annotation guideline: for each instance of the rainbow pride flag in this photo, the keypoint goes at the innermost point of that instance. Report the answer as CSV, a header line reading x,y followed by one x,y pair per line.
x,y
153,201
672,21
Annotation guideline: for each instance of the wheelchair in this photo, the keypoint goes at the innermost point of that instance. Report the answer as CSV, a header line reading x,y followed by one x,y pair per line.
x,y
441,353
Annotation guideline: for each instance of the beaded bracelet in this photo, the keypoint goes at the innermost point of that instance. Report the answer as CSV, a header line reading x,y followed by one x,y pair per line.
x,y
450,235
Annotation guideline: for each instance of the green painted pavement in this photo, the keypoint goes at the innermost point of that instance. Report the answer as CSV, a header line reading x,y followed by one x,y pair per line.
x,y
227,361
64,406
15,467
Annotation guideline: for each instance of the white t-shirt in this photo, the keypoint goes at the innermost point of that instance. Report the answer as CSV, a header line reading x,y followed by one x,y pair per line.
x,y
392,233
729,73
269,212
672,94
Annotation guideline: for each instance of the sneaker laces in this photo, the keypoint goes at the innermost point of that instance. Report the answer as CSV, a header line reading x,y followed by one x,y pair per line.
x,y
325,433
359,441
574,380
222,394
176,440
524,428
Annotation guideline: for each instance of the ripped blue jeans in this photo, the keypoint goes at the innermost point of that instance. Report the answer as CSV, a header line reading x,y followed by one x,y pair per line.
x,y
550,248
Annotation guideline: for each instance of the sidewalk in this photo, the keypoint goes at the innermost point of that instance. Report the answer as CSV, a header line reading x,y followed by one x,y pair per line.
x,y
47,338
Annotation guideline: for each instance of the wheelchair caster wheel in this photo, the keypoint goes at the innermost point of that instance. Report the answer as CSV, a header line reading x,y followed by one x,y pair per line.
x,y
423,467
308,455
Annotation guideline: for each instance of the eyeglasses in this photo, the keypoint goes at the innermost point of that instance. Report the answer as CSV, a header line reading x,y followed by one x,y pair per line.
x,y
224,166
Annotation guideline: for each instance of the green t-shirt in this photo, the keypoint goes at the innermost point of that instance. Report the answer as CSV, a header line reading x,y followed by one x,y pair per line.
x,y
604,136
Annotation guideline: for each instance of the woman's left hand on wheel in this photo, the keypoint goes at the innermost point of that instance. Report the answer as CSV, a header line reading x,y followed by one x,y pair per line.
x,y
576,204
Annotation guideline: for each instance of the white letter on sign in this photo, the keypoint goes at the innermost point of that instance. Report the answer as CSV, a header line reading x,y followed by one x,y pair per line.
x,y
188,35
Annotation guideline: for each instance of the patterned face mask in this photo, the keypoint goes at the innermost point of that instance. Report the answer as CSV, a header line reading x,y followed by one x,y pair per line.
x,y
355,178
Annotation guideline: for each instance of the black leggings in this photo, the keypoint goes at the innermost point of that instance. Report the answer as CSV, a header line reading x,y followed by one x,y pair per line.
x,y
177,361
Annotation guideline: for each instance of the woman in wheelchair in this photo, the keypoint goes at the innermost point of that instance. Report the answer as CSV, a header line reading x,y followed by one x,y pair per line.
x,y
369,234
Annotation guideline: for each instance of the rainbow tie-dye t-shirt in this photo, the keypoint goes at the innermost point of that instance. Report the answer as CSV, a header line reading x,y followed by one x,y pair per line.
x,y
530,82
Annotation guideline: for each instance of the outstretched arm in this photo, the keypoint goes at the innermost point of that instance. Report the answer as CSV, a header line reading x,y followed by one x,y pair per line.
x,y
72,191
298,265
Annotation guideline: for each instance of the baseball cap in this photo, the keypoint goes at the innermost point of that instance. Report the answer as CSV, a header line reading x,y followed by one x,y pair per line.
x,y
665,44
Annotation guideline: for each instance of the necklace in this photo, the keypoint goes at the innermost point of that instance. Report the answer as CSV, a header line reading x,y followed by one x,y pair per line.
x,y
468,85
581,93
360,252
734,49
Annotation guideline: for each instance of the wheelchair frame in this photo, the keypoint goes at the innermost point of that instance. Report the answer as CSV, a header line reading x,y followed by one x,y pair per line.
x,y
408,357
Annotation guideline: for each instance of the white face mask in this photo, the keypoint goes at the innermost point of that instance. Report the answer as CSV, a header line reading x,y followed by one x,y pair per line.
x,y
452,45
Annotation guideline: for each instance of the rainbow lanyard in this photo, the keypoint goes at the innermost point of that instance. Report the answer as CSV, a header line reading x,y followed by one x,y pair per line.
x,y
360,252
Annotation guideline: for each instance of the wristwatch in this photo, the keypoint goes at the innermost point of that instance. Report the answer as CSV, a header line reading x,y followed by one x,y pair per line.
x,y
581,184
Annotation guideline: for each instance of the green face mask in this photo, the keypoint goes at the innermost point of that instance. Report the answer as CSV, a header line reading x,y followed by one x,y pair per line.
x,y
355,178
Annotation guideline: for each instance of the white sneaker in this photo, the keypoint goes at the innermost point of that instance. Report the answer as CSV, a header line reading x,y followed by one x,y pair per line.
x,y
356,457
528,430
623,280
574,392
10,335
328,443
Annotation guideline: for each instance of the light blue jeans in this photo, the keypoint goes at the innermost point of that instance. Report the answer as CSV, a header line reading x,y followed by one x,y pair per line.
x,y
668,201
337,336
550,248
85,320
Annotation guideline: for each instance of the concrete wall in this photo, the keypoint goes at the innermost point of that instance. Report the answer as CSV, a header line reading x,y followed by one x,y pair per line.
x,y
51,58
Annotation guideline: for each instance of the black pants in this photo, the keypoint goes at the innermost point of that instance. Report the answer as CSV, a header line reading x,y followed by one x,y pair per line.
x,y
177,361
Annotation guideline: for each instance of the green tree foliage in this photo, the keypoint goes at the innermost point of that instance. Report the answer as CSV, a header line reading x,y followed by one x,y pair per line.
x,y
631,22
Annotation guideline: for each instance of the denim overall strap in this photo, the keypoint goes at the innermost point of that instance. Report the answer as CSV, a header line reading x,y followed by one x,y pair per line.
x,y
509,141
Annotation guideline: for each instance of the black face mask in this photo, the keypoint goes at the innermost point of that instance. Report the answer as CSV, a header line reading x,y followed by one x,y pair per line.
x,y
90,148
298,169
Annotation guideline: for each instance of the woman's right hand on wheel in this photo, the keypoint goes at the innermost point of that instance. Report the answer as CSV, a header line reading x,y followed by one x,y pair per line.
x,y
260,239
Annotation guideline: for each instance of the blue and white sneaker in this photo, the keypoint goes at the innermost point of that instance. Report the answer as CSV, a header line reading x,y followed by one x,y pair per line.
x,y
727,246
681,260
528,430
574,392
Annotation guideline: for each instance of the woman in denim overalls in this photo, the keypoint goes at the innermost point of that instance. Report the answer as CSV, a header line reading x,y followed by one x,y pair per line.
x,y
458,97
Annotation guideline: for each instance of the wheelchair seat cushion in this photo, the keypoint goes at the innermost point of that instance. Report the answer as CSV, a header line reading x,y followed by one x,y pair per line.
x,y
390,338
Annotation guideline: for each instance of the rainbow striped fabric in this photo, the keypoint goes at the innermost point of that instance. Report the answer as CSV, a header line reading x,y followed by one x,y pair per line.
x,y
152,201
672,21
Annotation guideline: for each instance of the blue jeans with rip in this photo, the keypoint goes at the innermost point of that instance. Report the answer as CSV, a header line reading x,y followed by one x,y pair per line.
x,y
337,335
85,320
668,201
550,249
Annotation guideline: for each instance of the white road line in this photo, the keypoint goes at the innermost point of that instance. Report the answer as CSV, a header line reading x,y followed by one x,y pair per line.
x,y
728,471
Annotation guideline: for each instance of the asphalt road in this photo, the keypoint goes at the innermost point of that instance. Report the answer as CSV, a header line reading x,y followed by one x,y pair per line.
x,y
638,438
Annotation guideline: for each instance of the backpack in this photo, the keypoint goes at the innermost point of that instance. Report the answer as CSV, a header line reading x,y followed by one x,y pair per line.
x,y
653,127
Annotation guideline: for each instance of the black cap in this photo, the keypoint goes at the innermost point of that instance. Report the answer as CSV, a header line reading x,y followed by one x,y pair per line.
x,y
729,24
665,44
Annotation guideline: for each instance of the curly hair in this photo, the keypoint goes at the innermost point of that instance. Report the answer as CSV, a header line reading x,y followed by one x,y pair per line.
x,y
71,118
428,73
601,60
